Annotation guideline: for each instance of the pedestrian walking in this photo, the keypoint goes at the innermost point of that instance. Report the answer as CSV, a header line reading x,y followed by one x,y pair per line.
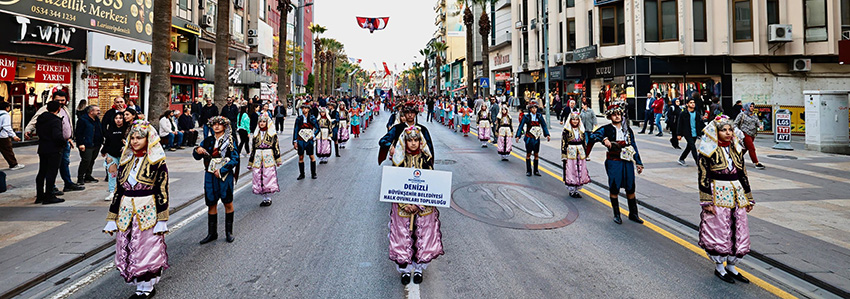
x,y
264,160
573,156
89,139
67,132
231,111
118,107
736,109
113,145
51,143
725,198
243,127
690,126
621,160
588,120
209,111
504,133
168,131
303,137
534,127
672,114
138,216
750,124
649,115
658,110
279,116
7,135
221,164
415,239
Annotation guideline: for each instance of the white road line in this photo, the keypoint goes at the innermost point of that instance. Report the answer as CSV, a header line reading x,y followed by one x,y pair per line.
x,y
101,271
411,291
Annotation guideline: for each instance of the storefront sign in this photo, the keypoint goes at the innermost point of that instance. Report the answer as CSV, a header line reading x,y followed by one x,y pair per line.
x,y
500,59
8,67
556,73
133,92
579,86
584,53
607,70
117,53
188,70
503,76
33,37
630,87
416,186
93,83
783,126
52,72
265,91
798,118
184,25
121,17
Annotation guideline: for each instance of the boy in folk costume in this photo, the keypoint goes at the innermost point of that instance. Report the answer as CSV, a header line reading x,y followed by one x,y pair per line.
x,y
534,127
323,139
415,237
484,125
573,155
725,197
343,128
621,160
450,112
264,160
138,213
221,161
334,114
504,133
305,130
465,119
408,118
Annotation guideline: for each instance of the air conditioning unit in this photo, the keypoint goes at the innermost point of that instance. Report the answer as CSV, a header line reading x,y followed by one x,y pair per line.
x,y
801,65
779,33
525,66
252,32
559,57
207,21
252,41
542,57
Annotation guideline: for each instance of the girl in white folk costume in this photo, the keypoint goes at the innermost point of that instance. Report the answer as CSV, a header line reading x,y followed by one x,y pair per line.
x,y
504,133
573,155
344,125
138,214
484,126
264,160
323,140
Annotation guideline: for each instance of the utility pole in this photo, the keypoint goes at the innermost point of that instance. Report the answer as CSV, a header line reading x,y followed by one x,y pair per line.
x,y
546,61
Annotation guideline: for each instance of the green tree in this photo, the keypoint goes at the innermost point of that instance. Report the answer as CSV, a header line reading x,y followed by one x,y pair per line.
x,y
426,52
439,48
484,29
317,30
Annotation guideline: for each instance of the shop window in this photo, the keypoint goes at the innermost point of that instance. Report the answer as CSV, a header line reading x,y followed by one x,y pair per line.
x,y
182,93
700,34
772,12
183,42
26,95
845,18
613,25
571,34
815,19
742,20
661,20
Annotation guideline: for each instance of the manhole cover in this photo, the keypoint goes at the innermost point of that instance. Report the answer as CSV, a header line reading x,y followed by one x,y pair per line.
x,y
513,205
445,162
783,157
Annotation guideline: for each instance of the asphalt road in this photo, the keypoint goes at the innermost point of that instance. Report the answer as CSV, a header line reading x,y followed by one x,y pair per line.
x,y
509,236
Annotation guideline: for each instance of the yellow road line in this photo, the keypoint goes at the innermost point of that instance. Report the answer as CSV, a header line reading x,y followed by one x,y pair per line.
x,y
699,251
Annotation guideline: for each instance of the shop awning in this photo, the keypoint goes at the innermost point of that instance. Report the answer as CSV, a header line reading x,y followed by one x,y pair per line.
x,y
459,88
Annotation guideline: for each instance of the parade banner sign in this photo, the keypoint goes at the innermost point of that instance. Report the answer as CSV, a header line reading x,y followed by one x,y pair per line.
x,y
416,186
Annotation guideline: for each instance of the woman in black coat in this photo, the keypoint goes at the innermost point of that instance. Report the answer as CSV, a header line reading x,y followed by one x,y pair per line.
x,y
672,113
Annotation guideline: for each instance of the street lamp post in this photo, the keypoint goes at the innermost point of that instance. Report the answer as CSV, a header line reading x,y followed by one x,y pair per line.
x,y
299,41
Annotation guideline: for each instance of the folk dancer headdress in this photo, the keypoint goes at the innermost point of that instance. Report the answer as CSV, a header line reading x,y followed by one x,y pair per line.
x,y
710,142
154,152
410,133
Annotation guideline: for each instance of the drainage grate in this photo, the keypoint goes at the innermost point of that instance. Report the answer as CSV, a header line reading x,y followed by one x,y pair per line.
x,y
783,157
445,162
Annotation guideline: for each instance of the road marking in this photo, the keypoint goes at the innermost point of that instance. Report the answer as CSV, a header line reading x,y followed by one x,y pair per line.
x,y
101,271
696,249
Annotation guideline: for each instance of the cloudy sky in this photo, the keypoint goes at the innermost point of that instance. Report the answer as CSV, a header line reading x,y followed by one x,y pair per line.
x,y
410,27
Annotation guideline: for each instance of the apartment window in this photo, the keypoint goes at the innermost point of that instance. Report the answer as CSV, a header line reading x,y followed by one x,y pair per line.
x,y
184,9
612,24
571,3
525,12
525,47
700,34
237,24
662,21
845,17
772,12
210,11
815,19
742,16
261,11
571,34
560,37
560,6
590,28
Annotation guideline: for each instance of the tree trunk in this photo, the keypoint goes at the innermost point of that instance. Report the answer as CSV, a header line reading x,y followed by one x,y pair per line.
x,y
469,21
439,73
484,24
316,69
281,53
222,43
427,89
161,62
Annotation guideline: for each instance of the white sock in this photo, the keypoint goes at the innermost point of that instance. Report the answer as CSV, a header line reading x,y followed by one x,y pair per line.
x,y
730,264
405,269
731,269
719,268
420,267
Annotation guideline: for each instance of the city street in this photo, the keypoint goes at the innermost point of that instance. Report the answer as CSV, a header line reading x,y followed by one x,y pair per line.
x,y
326,238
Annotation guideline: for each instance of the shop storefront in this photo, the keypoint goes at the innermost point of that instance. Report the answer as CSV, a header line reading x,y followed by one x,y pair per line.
x,y
185,78
34,66
117,67
500,70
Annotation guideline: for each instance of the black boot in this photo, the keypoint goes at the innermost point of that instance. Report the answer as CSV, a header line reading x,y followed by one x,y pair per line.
x,y
527,167
212,228
336,148
228,227
301,169
313,169
616,205
536,171
633,211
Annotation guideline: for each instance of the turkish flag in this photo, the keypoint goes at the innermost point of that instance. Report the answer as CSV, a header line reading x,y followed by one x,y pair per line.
x,y
386,70
372,23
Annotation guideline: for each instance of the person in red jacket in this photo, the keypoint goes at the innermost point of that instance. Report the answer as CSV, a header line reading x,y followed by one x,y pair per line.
x,y
658,110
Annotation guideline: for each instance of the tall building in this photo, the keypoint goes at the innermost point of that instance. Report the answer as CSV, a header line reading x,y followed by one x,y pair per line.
x,y
501,37
766,52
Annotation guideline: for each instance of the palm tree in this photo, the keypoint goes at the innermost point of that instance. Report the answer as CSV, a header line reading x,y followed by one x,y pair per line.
x,y
468,21
284,6
160,64
335,51
316,29
484,30
439,48
222,43
426,52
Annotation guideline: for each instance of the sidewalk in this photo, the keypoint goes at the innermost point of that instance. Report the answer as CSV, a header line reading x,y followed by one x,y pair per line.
x,y
799,223
35,240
